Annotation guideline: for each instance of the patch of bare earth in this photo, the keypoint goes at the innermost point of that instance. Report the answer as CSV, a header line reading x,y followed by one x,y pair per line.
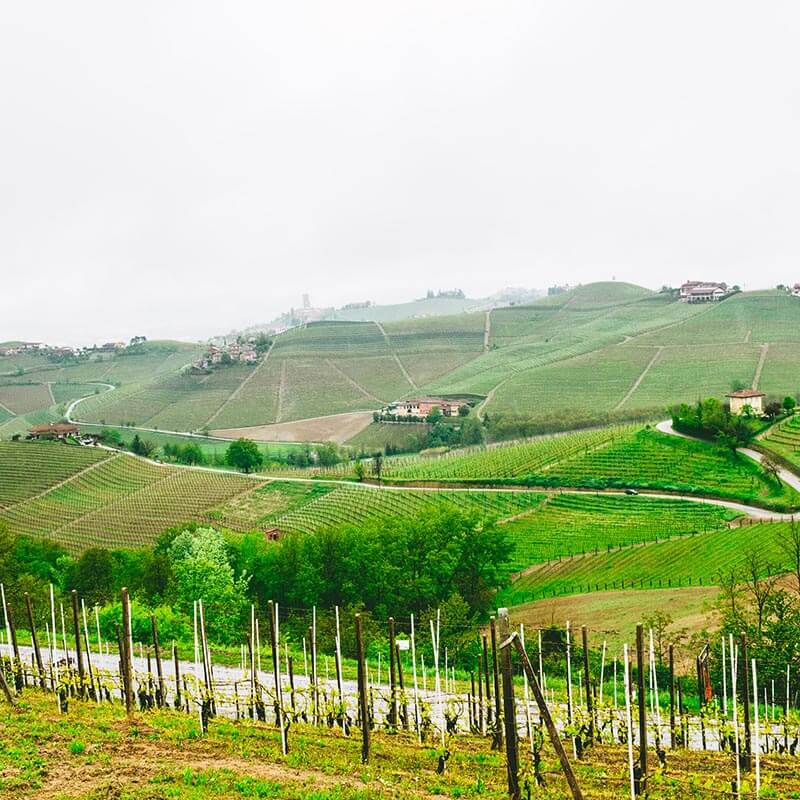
x,y
334,428
612,616
134,763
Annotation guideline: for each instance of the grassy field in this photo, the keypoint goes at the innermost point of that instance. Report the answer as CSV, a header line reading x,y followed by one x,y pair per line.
x,y
695,560
380,435
613,615
568,524
604,352
605,458
784,439
95,753
82,497
212,448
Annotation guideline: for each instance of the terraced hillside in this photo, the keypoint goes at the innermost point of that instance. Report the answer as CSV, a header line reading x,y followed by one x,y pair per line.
x,y
621,457
600,353
784,439
35,390
83,497
699,559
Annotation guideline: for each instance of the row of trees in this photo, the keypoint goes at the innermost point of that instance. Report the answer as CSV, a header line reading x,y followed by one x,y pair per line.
x,y
413,565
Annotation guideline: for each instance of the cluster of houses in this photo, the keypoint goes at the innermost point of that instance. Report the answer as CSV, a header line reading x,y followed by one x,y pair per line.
x,y
58,352
421,407
19,348
703,292
236,352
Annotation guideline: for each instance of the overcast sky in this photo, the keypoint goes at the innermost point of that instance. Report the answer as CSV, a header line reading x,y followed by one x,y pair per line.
x,y
181,168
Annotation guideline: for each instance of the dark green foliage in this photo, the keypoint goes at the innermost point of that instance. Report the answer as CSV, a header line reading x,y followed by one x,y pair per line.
x,y
413,565
711,419
244,455
93,576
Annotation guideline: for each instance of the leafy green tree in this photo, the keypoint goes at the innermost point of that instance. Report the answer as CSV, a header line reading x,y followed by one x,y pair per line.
x,y
789,404
434,415
328,454
243,454
93,576
203,572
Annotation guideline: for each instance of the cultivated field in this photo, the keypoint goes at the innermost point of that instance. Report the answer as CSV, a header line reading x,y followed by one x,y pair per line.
x,y
603,352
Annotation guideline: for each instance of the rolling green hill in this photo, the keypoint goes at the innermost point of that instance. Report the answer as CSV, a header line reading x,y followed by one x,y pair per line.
x,y
83,497
603,352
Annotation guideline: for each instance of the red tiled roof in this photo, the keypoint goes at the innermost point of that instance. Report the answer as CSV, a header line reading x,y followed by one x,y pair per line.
x,y
746,393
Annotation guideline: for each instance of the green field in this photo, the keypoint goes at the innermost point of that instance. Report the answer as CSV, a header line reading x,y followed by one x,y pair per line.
x,y
784,439
213,449
683,561
86,496
601,353
605,458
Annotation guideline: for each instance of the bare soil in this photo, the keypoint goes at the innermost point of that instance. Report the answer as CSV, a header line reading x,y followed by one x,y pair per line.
x,y
334,428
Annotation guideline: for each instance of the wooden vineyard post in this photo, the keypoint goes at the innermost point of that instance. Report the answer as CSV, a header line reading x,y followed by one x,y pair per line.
x,y
162,689
509,711
587,681
672,696
177,664
546,717
291,685
363,705
35,641
473,715
78,648
17,661
393,710
701,700
495,669
125,652
748,750
276,667
402,686
642,708
486,682
6,689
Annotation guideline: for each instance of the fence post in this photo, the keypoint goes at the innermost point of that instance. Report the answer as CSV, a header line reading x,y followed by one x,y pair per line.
x,y
362,692
78,649
486,682
509,711
177,675
404,712
587,681
35,641
393,711
642,707
161,698
544,712
125,652
748,750
672,697
498,714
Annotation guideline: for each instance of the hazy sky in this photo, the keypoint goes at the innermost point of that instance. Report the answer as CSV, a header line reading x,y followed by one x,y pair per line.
x,y
181,168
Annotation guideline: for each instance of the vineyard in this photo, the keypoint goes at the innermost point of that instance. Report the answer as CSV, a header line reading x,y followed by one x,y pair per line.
x,y
502,461
573,524
83,497
784,439
604,458
547,717
26,471
697,559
